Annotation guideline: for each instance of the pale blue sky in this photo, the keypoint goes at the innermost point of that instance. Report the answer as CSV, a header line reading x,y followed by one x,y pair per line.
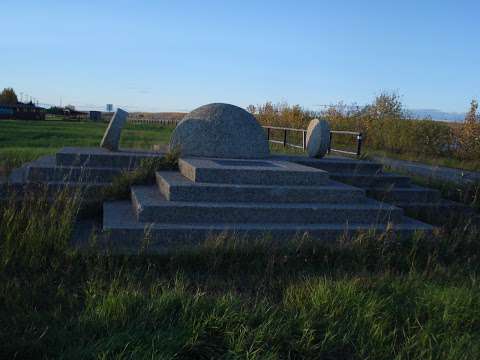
x,y
177,55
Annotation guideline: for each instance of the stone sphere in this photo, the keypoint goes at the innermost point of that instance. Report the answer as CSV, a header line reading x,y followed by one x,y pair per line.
x,y
221,131
318,138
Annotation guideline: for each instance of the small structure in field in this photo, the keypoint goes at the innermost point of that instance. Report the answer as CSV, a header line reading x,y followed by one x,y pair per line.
x,y
95,116
22,111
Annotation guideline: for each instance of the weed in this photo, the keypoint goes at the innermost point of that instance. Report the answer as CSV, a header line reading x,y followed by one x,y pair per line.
x,y
142,175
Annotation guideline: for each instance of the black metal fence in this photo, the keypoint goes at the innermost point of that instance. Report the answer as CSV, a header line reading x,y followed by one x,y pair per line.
x,y
164,122
285,139
290,134
358,136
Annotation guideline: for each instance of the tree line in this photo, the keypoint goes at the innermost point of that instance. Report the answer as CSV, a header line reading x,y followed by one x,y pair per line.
x,y
386,125
8,97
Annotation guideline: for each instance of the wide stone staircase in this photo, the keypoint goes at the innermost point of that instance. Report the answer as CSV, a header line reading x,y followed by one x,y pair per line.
x,y
93,169
282,196
252,198
89,170
417,201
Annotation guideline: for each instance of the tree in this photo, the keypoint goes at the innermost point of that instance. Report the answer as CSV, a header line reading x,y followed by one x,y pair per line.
x,y
8,97
468,134
386,106
471,117
251,109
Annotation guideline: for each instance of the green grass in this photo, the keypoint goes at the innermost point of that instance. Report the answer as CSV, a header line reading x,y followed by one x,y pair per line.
x,y
22,141
369,297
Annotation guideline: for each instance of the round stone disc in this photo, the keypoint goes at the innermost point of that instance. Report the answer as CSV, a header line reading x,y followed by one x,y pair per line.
x,y
318,138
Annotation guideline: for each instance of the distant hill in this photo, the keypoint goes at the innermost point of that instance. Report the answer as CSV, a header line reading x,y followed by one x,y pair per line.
x,y
437,115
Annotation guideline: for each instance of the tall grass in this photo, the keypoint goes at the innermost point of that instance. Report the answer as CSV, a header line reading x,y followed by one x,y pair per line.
x,y
33,232
367,297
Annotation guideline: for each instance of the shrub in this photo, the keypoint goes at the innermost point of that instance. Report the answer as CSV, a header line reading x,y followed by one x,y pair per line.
x,y
282,114
468,135
385,125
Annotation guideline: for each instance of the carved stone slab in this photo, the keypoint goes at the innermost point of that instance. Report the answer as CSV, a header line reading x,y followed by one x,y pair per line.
x,y
111,138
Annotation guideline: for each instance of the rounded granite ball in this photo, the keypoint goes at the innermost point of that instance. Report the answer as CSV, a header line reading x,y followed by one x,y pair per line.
x,y
318,138
220,131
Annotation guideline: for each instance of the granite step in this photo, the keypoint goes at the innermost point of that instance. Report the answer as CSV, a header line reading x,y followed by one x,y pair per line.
x,y
85,190
372,181
125,233
151,206
401,195
98,157
250,172
335,164
46,173
439,213
175,187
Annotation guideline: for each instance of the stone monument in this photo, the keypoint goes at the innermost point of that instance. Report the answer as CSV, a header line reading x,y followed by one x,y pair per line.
x,y
227,183
318,138
111,139
221,131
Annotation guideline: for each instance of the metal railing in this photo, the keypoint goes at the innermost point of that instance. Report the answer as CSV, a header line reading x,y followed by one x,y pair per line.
x,y
285,131
285,143
359,138
152,121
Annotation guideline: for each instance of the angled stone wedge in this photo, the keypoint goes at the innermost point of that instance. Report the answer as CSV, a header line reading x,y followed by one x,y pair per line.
x,y
111,138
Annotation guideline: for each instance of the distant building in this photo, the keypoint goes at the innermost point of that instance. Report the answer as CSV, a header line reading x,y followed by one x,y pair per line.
x,y
109,107
95,116
22,111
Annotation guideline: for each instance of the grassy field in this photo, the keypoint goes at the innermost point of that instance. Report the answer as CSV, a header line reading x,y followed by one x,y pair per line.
x,y
366,298
370,297
22,141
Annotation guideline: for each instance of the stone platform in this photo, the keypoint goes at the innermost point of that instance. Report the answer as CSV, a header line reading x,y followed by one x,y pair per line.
x,y
280,195
417,201
88,169
251,198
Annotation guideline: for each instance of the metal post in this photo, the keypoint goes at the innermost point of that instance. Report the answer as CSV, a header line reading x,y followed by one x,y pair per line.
x,y
330,144
359,143
285,138
304,140
268,134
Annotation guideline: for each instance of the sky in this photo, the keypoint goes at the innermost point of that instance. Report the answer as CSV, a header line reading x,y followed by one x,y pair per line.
x,y
178,55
